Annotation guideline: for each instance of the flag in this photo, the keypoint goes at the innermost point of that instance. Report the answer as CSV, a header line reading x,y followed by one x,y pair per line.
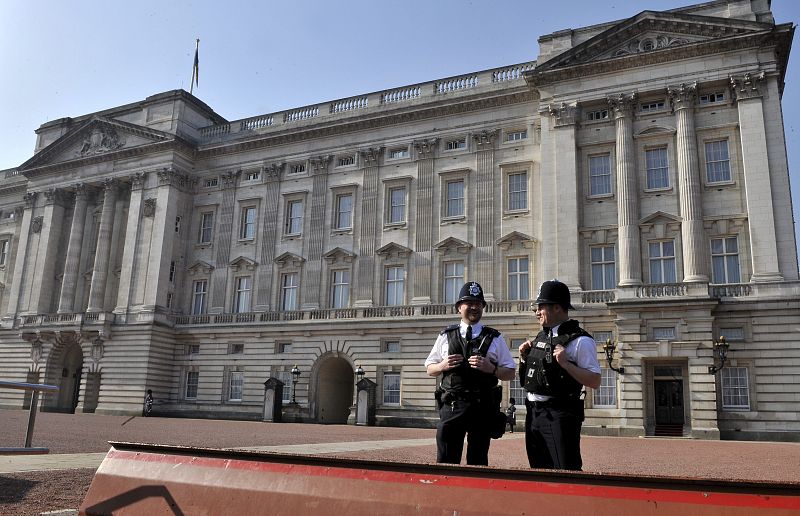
x,y
195,67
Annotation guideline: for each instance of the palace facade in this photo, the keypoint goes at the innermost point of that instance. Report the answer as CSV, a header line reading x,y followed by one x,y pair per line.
x,y
157,245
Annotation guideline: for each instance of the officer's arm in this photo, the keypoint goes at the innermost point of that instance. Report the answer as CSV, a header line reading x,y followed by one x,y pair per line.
x,y
584,376
505,373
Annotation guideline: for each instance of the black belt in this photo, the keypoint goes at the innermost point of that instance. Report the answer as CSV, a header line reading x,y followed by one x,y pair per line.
x,y
552,402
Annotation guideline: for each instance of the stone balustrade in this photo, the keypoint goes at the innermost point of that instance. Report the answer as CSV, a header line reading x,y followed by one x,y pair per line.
x,y
732,290
597,296
662,290
387,99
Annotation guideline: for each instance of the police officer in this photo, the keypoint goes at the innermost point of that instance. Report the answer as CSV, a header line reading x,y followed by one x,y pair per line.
x,y
471,358
554,368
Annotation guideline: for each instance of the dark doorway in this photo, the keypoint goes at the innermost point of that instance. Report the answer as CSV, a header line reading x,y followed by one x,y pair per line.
x,y
669,402
334,391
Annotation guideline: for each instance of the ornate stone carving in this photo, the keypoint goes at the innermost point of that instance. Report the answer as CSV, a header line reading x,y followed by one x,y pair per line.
x,y
98,348
36,224
371,157
683,95
165,176
137,180
747,86
149,207
36,350
649,43
426,149
30,199
274,171
18,211
228,179
101,139
563,114
54,196
484,140
80,191
319,164
622,104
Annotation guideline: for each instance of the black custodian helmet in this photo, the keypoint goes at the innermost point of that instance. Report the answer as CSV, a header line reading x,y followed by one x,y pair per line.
x,y
471,292
553,292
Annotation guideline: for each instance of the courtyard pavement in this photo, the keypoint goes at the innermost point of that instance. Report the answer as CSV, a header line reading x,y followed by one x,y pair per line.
x,y
81,441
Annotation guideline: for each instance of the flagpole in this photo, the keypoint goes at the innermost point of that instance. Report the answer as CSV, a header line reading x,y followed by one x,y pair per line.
x,y
195,66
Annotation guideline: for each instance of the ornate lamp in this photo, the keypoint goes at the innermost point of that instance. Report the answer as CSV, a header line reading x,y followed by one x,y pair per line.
x,y
295,378
721,346
609,348
359,373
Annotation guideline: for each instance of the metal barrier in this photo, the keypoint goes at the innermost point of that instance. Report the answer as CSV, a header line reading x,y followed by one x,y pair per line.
x,y
34,388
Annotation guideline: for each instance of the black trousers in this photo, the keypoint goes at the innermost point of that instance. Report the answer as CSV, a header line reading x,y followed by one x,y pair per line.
x,y
464,418
553,434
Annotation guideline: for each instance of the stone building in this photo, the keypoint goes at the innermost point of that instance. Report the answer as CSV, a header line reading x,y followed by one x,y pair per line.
x,y
157,245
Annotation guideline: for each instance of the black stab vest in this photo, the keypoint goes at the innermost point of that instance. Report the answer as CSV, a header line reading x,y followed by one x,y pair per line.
x,y
541,374
465,379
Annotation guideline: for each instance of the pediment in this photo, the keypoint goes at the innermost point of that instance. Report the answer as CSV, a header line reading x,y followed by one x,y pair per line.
x,y
339,254
96,137
656,129
660,217
200,267
242,262
393,249
289,259
649,32
453,244
515,237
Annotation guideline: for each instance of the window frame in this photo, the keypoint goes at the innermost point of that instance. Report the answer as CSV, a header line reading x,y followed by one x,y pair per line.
x,y
385,388
456,281
242,294
522,278
202,295
391,294
191,373
338,224
604,265
290,217
232,375
515,135
591,175
662,258
725,373
605,396
662,169
725,255
203,228
709,162
340,289
5,248
455,144
247,226
294,289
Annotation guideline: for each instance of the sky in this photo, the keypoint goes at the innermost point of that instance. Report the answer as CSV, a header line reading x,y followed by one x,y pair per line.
x,y
60,58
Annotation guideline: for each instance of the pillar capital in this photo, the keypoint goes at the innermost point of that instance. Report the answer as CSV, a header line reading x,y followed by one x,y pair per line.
x,y
683,96
426,149
562,114
30,199
371,157
137,180
319,164
747,86
274,172
484,140
55,196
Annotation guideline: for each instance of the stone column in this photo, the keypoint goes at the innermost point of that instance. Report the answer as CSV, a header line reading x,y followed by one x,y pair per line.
x,y
425,229
311,294
66,301
269,236
628,243
43,266
21,260
131,267
757,181
222,242
368,225
102,255
694,245
485,234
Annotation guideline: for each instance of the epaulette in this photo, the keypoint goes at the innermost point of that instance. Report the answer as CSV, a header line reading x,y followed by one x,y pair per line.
x,y
450,328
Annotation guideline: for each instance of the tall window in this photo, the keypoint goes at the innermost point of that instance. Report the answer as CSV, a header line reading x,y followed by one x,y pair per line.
x,y
3,251
735,388
515,390
606,394
199,297
344,211
657,168
600,174
518,191
391,388
395,286
455,198
397,205
453,280
603,268
725,260
244,286
340,289
662,262
192,378
286,378
289,288
294,217
247,225
518,284
236,385
206,227
718,163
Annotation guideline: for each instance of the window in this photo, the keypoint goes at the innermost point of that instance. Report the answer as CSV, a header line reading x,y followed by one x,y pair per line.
x,y
600,174
662,262
236,349
518,284
172,271
601,337
718,165
735,388
395,286
652,106
453,280
606,394
289,288
178,224
236,385
192,378
252,176
398,153
603,267
344,211
657,168
732,333
210,183
597,115
3,251
340,289
294,217
515,390
725,260
391,388
345,161
286,378
247,224
711,98
455,198
518,191
242,300
206,227
170,295
460,143
192,349
297,168
397,205
284,347
515,136
664,333
391,346
199,291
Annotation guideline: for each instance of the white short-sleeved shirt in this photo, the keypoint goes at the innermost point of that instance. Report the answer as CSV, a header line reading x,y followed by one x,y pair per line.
x,y
581,351
498,350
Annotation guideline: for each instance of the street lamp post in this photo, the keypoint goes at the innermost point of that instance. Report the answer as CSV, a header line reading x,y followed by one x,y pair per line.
x,y
295,379
609,348
722,346
359,373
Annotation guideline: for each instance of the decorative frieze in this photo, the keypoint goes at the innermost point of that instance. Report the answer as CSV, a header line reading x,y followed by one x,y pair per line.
x,y
747,86
102,139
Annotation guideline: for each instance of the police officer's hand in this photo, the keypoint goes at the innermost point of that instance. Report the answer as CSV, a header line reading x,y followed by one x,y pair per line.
x,y
481,363
450,362
523,350
560,354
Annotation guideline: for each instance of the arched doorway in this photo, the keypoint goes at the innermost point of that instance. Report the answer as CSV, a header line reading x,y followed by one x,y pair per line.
x,y
66,372
334,390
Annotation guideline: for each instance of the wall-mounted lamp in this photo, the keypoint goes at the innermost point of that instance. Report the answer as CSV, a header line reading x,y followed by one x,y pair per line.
x,y
295,378
359,372
609,348
721,346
